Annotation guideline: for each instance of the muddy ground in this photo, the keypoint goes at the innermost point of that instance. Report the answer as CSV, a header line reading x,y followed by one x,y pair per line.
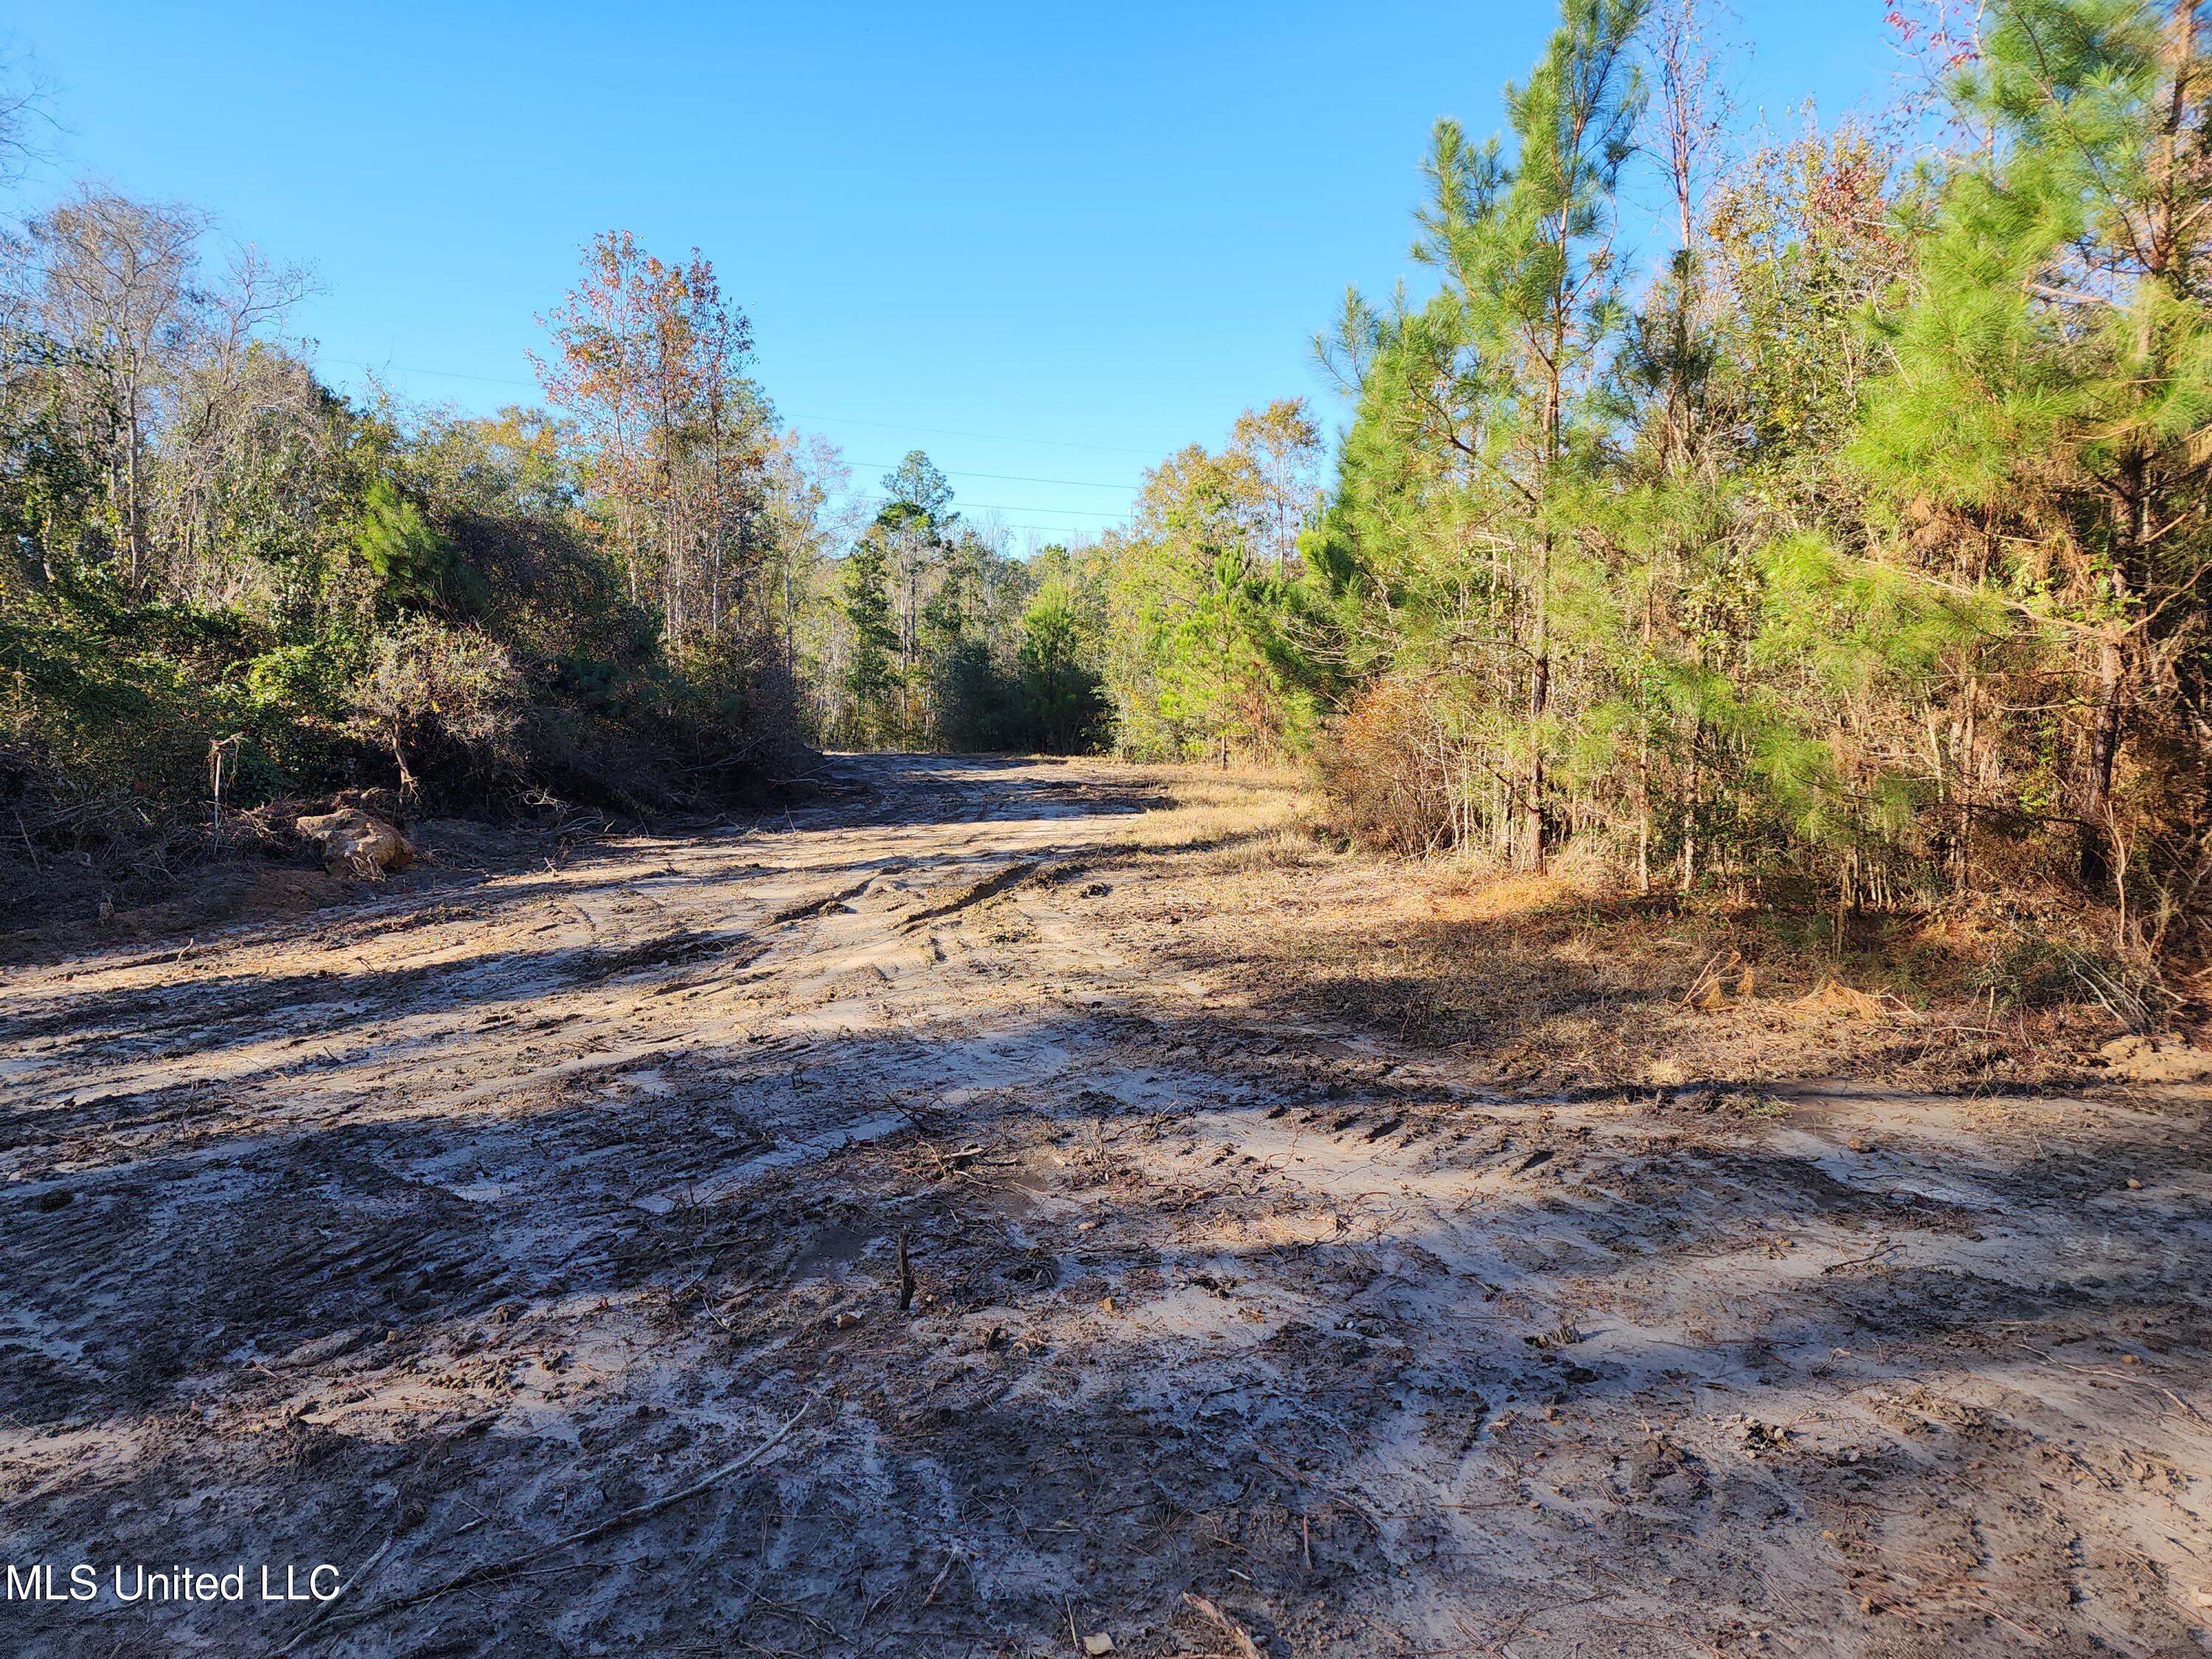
x,y
424,1233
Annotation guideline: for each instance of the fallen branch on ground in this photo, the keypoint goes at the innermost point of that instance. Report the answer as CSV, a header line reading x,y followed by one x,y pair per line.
x,y
491,1571
2118,1376
1246,1648
1861,1260
326,1610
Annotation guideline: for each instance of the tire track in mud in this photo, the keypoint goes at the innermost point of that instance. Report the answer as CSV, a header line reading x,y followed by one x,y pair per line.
x,y
445,1225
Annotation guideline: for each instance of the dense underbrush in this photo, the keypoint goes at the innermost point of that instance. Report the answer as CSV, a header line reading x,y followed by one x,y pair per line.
x,y
1395,783
140,741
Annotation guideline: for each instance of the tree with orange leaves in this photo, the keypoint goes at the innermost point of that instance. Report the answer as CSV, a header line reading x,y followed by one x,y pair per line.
x,y
648,358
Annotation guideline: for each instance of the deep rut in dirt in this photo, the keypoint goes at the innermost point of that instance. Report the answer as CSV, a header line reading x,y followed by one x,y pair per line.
x,y
426,1233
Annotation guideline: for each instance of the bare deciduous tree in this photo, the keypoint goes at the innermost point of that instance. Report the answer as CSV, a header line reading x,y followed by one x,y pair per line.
x,y
1688,116
25,113
166,379
111,286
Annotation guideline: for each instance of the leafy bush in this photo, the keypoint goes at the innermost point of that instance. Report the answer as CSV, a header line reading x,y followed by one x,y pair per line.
x,y
448,696
1384,771
300,679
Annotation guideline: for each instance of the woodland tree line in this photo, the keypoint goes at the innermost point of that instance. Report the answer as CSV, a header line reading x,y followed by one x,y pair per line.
x,y
1866,540
1856,538
1860,543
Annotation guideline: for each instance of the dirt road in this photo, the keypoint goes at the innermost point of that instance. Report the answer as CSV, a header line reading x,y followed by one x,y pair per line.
x,y
421,1234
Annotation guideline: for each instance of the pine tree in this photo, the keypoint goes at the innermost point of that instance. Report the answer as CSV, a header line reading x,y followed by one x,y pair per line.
x,y
2049,415
397,542
871,675
1062,703
1500,378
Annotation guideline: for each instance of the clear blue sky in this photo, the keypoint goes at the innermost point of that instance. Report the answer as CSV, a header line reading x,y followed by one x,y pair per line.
x,y
1045,242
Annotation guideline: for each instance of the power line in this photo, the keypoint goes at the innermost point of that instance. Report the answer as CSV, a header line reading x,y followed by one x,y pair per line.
x,y
819,420
1003,478
986,507
1009,506
435,373
988,437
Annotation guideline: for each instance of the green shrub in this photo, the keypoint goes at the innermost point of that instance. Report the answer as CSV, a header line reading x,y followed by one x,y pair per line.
x,y
310,679
447,697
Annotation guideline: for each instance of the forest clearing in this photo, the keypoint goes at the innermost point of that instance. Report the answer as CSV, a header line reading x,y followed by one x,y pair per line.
x,y
752,904
1096,1193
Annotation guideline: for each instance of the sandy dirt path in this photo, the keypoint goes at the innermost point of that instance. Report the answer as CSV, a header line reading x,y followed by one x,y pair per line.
x,y
421,1234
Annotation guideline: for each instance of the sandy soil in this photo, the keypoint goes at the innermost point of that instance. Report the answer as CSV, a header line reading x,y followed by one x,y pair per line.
x,y
421,1234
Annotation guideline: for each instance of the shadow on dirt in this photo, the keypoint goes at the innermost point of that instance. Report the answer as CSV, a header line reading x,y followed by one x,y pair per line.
x,y
1216,1300
1062,1442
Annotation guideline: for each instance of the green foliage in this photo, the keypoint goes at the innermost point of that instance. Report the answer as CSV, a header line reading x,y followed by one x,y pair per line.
x,y
413,562
870,679
917,494
1208,627
2040,438
1062,708
1866,542
925,636
338,593
307,679
451,694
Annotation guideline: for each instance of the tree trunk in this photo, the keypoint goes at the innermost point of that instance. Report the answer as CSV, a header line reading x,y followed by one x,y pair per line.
x,y
2104,749
133,529
1539,692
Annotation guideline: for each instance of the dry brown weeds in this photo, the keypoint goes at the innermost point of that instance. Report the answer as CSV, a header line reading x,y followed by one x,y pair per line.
x,y
1564,980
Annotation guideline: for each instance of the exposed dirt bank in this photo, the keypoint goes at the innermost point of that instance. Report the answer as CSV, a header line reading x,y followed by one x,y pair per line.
x,y
421,1234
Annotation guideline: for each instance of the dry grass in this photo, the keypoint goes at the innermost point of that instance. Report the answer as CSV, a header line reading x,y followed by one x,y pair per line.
x,y
1228,811
1562,981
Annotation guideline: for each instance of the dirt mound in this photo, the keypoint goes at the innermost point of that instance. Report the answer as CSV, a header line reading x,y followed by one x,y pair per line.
x,y
2156,1060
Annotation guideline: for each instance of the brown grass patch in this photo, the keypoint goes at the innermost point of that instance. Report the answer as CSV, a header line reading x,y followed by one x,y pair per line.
x,y
1557,980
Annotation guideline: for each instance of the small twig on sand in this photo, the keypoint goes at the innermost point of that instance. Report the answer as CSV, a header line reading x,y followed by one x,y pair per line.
x,y
324,1611
953,1558
1246,1647
2118,1376
1861,1260
492,1572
